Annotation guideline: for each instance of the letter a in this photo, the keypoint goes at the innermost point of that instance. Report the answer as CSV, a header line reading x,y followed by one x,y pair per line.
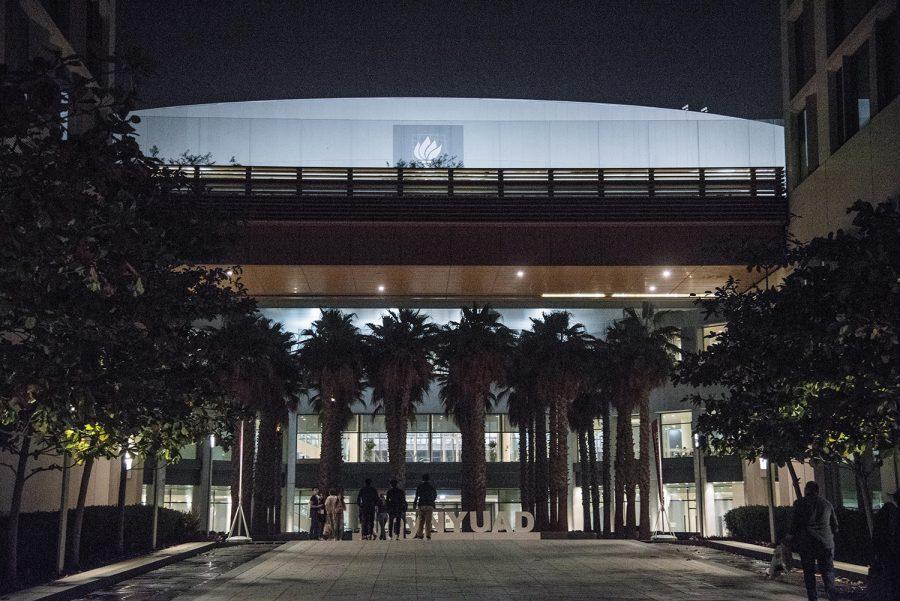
x,y
500,524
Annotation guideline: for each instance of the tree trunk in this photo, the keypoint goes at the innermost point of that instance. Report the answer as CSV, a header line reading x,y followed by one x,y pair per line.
x,y
331,460
474,466
623,434
644,467
607,468
78,517
795,481
865,493
584,473
562,466
266,474
552,465
524,492
120,507
396,426
246,487
11,565
540,469
594,487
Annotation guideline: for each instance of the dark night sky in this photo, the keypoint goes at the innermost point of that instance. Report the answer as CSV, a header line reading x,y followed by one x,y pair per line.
x,y
720,53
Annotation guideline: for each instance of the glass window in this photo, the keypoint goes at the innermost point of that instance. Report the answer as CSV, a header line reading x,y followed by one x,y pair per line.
x,y
636,434
675,341
681,505
726,496
416,447
309,437
887,63
219,453
374,439
851,97
509,440
443,423
446,447
802,33
219,508
492,437
675,431
188,451
178,497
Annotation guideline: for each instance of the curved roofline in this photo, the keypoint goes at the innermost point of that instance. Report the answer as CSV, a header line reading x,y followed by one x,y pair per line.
x,y
367,103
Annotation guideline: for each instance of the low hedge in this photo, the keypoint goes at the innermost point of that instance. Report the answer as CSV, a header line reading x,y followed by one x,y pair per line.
x,y
38,536
852,544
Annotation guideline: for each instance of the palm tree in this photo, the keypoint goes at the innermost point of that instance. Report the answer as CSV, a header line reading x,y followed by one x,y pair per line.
x,y
265,379
645,358
398,363
581,421
558,353
472,355
333,356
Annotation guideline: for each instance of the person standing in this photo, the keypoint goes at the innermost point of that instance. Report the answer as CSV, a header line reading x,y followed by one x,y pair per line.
x,y
316,515
884,575
396,500
813,525
367,501
423,503
382,513
334,512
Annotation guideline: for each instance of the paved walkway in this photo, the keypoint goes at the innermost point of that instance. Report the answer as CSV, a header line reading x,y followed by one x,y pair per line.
x,y
479,569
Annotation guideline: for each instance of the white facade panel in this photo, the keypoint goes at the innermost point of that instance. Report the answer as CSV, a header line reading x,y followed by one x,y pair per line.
x,y
361,132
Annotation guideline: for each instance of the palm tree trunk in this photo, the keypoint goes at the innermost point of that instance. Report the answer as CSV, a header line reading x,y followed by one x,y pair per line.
x,y
331,461
11,564
623,446
585,481
266,472
246,487
532,485
78,517
623,422
120,507
592,474
473,460
644,467
607,468
524,493
540,469
562,466
552,465
396,425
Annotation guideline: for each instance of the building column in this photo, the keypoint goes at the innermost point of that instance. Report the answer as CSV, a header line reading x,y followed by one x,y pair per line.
x,y
290,477
201,503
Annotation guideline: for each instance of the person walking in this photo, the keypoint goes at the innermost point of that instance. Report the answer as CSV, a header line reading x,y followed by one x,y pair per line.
x,y
423,503
813,525
334,512
883,583
382,513
395,503
367,501
316,515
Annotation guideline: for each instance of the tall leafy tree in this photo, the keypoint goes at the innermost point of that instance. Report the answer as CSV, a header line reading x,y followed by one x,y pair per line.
x,y
810,366
399,366
99,299
332,354
643,357
472,355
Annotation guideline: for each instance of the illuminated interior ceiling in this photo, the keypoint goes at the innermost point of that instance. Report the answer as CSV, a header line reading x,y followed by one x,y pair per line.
x,y
512,282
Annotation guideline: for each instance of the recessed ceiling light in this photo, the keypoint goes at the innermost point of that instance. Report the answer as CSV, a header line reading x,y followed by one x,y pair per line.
x,y
229,273
520,274
651,288
667,273
381,289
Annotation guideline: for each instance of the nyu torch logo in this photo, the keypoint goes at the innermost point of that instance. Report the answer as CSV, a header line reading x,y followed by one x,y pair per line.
x,y
427,150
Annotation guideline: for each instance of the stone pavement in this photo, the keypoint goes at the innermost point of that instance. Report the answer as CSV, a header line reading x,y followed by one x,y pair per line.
x,y
481,570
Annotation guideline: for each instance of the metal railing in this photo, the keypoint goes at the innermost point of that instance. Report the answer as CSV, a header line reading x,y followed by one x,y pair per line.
x,y
498,194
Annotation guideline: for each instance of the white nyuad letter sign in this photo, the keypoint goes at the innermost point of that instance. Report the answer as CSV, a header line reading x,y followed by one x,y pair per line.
x,y
523,522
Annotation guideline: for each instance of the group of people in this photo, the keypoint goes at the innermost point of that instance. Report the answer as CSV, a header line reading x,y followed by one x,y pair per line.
x,y
813,526
387,509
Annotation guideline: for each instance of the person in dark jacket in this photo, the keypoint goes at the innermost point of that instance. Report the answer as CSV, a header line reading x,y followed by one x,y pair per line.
x,y
396,508
813,525
423,503
367,501
316,515
884,575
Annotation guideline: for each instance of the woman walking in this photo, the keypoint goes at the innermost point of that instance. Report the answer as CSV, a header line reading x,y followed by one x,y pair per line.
x,y
334,510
